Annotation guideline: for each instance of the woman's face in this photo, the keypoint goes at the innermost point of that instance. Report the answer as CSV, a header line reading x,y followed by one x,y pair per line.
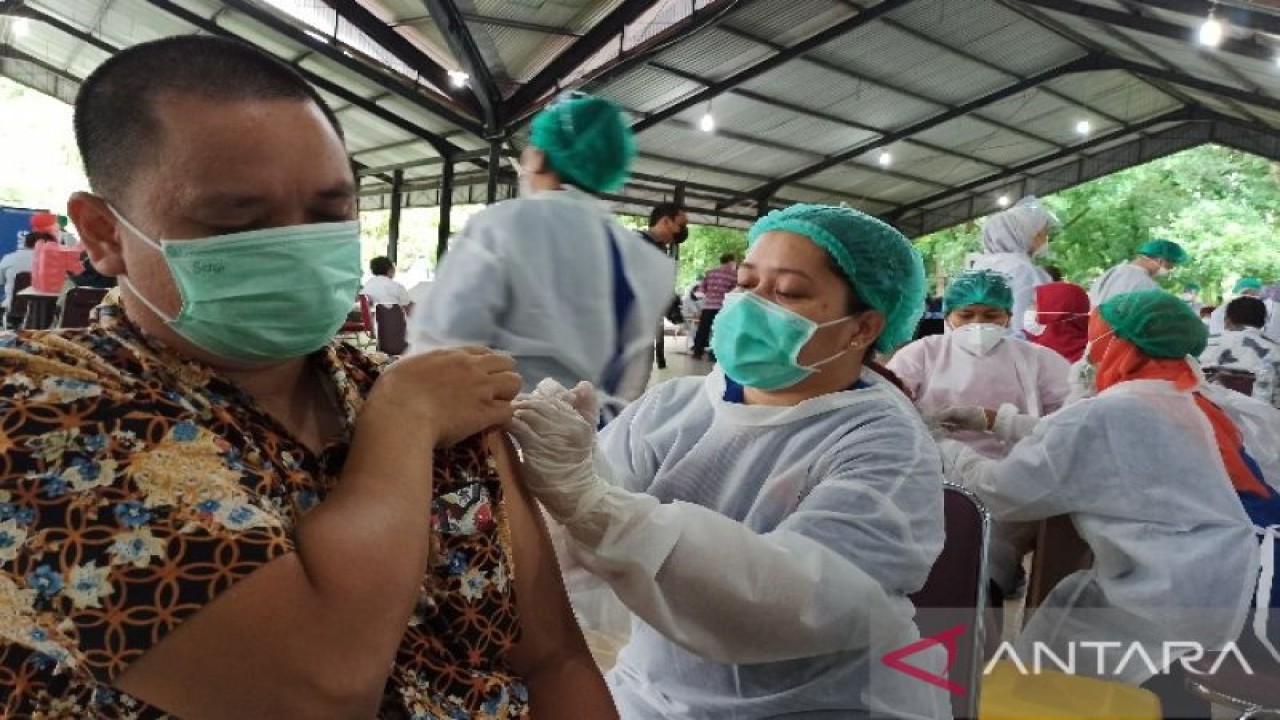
x,y
792,271
971,314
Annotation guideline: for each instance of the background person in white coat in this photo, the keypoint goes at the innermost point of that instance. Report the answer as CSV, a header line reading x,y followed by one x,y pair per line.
x,y
1156,258
767,522
1010,239
551,278
1153,473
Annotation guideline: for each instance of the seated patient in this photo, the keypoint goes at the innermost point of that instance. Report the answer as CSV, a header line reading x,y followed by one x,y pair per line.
x,y
209,508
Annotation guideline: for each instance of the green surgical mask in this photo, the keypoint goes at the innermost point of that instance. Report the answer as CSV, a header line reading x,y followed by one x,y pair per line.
x,y
262,295
758,342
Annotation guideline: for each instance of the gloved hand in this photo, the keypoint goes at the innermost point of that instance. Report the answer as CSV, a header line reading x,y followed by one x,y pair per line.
x,y
952,451
556,444
581,398
959,418
1011,425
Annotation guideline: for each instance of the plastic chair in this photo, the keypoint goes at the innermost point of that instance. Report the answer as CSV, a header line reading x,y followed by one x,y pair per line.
x,y
18,308
79,304
391,323
359,322
958,581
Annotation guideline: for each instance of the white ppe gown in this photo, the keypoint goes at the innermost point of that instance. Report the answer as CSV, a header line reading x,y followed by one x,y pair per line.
x,y
1024,278
1121,279
1218,320
1175,554
534,277
769,557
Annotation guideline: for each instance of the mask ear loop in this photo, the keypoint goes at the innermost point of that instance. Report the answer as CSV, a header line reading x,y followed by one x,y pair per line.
x,y
124,279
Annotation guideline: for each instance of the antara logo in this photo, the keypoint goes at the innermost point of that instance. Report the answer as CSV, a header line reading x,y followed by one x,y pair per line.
x,y
1108,658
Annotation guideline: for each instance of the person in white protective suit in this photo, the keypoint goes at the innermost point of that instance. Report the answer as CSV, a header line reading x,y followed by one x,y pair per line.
x,y
977,365
1156,258
550,277
766,523
1169,483
1010,239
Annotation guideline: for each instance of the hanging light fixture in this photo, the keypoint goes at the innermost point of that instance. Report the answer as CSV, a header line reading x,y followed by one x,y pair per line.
x,y
885,159
1003,201
1211,30
458,78
708,122
1084,127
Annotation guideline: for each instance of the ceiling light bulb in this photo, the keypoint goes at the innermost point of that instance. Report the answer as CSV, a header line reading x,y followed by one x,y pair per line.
x,y
1003,201
1084,127
458,78
22,27
707,123
885,159
1211,32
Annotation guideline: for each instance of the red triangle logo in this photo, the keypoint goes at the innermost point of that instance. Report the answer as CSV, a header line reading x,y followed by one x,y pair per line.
x,y
947,639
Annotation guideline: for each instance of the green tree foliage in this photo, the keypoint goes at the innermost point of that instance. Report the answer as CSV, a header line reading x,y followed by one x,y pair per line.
x,y
1220,204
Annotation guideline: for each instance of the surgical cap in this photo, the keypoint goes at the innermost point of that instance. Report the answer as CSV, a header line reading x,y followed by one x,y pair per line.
x,y
886,272
1161,325
1013,230
1247,283
587,142
978,287
1164,250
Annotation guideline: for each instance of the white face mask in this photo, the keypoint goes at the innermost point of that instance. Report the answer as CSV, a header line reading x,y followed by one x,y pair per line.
x,y
1030,322
978,338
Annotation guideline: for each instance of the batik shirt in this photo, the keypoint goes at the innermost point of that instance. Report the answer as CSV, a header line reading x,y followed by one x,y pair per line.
x,y
137,486
1247,350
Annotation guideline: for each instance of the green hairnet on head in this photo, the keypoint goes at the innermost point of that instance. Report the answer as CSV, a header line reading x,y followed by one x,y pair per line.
x,y
1158,323
886,272
978,287
1247,283
1164,250
587,142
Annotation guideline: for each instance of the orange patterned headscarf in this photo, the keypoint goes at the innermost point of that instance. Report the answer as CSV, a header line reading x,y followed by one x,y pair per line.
x,y
1119,360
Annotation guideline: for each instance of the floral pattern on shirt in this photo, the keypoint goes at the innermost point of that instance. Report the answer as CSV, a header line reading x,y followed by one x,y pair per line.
x,y
136,486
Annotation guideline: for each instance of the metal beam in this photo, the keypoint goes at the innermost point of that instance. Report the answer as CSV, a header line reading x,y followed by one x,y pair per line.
x,y
446,210
1153,26
593,42
453,26
810,43
393,231
1195,83
442,146
1081,64
495,169
846,72
821,115
31,13
1179,115
435,105
13,53
730,171
401,47
519,25
994,67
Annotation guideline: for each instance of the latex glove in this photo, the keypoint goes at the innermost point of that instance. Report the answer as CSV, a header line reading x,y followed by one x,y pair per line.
x,y
961,464
960,418
1011,425
556,444
581,398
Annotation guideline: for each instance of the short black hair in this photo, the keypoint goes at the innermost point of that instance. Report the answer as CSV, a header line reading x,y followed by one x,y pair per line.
x,y
1247,311
663,211
728,257
381,265
36,236
115,123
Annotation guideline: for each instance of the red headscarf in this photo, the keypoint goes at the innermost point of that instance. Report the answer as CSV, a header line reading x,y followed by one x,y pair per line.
x,y
1063,309
1119,360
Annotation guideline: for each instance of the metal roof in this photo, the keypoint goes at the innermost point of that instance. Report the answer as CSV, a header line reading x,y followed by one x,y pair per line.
x,y
924,112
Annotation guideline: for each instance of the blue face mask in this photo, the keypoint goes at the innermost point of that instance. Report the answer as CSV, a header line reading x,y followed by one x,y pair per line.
x,y
758,342
261,295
